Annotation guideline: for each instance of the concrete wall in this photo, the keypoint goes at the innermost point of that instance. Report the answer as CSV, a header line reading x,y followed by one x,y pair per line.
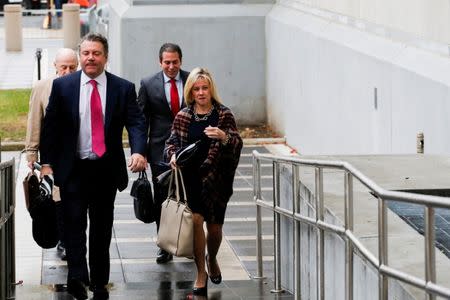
x,y
228,39
323,70
427,19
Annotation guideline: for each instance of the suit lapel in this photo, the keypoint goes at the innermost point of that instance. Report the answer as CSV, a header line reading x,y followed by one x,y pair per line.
x,y
76,86
111,96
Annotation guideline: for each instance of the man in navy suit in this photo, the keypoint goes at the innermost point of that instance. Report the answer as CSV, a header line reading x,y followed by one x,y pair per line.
x,y
161,97
81,145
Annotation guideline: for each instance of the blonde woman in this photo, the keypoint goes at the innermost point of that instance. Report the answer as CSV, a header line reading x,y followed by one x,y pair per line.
x,y
209,175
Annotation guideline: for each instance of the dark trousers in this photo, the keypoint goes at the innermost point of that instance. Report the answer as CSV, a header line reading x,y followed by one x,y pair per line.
x,y
89,192
60,221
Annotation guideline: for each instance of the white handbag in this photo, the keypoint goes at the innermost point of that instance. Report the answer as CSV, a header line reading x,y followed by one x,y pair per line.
x,y
176,227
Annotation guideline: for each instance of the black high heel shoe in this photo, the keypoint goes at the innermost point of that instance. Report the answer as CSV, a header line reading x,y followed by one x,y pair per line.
x,y
217,279
201,291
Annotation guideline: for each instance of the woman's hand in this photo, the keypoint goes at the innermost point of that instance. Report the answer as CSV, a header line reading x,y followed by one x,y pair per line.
x,y
215,133
173,161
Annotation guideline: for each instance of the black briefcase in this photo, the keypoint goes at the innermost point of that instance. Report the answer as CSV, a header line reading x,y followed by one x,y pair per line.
x,y
141,191
42,210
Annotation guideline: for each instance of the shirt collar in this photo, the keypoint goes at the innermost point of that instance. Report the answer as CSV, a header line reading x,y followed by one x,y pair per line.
x,y
101,79
167,78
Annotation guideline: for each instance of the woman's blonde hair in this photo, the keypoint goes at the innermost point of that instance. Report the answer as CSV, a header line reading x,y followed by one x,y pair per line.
x,y
196,74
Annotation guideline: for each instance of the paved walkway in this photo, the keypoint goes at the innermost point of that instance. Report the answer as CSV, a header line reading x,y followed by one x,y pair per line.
x,y
18,70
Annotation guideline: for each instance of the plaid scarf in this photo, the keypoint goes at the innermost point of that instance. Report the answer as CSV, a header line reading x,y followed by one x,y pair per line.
x,y
219,167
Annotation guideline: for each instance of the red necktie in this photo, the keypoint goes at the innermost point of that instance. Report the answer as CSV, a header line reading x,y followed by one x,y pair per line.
x,y
98,133
174,99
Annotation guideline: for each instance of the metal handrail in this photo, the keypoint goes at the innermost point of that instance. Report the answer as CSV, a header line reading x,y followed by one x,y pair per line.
x,y
352,244
7,244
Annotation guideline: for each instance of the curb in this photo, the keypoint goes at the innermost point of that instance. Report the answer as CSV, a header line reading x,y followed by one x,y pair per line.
x,y
263,141
19,146
12,146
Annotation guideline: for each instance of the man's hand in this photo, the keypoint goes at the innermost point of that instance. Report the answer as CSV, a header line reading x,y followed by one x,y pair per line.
x,y
137,163
30,164
46,170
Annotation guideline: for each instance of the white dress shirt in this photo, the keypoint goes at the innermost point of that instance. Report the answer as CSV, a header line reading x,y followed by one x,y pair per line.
x,y
167,86
85,134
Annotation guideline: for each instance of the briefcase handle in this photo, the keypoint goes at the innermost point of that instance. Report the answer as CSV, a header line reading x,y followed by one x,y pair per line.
x,y
143,174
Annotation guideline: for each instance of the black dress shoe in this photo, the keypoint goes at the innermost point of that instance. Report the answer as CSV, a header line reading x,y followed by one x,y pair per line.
x,y
100,293
77,289
163,256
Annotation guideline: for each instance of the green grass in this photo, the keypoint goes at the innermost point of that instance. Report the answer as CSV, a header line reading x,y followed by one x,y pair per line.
x,y
13,114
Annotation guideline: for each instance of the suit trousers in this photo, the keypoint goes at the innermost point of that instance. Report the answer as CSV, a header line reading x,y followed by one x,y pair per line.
x,y
90,191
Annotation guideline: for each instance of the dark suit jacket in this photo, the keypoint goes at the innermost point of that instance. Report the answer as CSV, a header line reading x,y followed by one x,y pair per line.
x,y
158,114
62,123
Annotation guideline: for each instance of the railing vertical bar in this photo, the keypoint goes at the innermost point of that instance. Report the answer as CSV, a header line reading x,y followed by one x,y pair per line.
x,y
12,244
348,181
7,245
320,234
277,231
382,248
297,232
3,268
430,254
257,195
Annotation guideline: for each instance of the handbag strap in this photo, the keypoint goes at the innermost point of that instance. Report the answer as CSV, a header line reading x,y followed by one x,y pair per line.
x,y
173,185
170,189
174,177
182,185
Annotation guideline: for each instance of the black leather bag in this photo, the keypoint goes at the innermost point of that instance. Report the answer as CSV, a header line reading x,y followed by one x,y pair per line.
x,y
185,155
42,209
141,191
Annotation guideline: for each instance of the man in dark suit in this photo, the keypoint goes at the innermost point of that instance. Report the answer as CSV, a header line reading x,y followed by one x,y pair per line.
x,y
161,97
81,144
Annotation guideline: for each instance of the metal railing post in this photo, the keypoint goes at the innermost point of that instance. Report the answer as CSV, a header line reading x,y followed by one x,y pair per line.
x,y
276,226
320,234
257,196
352,244
7,234
297,231
430,255
382,249
348,182
38,60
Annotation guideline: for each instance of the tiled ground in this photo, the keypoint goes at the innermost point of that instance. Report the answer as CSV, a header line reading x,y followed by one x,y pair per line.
x,y
133,250
166,290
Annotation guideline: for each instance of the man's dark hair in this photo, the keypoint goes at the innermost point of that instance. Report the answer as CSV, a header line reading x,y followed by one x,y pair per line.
x,y
95,37
169,47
